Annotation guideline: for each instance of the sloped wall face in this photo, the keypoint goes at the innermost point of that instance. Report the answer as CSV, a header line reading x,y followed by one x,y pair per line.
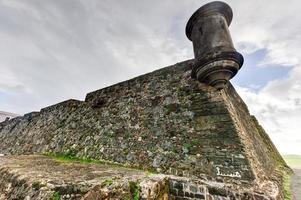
x,y
260,150
163,121
35,131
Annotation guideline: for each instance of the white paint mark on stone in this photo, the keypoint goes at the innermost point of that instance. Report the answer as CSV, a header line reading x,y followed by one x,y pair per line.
x,y
239,156
233,175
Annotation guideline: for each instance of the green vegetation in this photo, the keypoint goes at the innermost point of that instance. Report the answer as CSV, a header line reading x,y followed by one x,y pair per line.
x,y
107,183
187,146
56,196
294,161
134,189
151,173
136,195
69,157
195,142
287,186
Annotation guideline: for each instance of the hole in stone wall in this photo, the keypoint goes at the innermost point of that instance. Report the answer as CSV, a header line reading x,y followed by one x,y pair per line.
x,y
99,103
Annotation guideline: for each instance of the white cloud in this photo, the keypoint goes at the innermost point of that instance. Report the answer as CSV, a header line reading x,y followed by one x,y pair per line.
x,y
279,114
278,108
273,26
64,49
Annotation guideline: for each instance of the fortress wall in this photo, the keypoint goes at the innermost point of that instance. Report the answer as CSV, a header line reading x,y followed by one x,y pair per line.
x,y
162,120
34,131
260,150
185,121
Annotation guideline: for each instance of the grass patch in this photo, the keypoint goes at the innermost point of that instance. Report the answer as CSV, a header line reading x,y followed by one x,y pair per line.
x,y
72,158
107,183
136,195
150,173
56,196
135,190
67,157
294,161
187,146
287,186
195,142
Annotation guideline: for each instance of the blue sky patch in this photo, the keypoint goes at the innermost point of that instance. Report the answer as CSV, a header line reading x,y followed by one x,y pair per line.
x,y
255,77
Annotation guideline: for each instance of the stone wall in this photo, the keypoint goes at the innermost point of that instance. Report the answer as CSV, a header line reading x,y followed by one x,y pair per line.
x,y
163,121
180,189
260,150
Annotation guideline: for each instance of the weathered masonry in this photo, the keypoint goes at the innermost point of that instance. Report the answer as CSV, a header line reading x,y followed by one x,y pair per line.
x,y
185,123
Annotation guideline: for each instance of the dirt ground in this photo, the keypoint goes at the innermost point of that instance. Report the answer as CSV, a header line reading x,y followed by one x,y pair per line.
x,y
296,184
41,177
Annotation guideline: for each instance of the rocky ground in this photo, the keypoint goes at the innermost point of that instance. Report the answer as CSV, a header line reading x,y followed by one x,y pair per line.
x,y
37,177
41,177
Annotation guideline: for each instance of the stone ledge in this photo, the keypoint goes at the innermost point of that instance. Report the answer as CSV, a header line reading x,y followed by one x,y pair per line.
x,y
36,177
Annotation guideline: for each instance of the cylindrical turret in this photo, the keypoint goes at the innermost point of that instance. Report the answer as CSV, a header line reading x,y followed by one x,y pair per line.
x,y
217,61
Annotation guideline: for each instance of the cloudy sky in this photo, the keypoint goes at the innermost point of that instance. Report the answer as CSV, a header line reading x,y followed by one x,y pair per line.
x,y
56,50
